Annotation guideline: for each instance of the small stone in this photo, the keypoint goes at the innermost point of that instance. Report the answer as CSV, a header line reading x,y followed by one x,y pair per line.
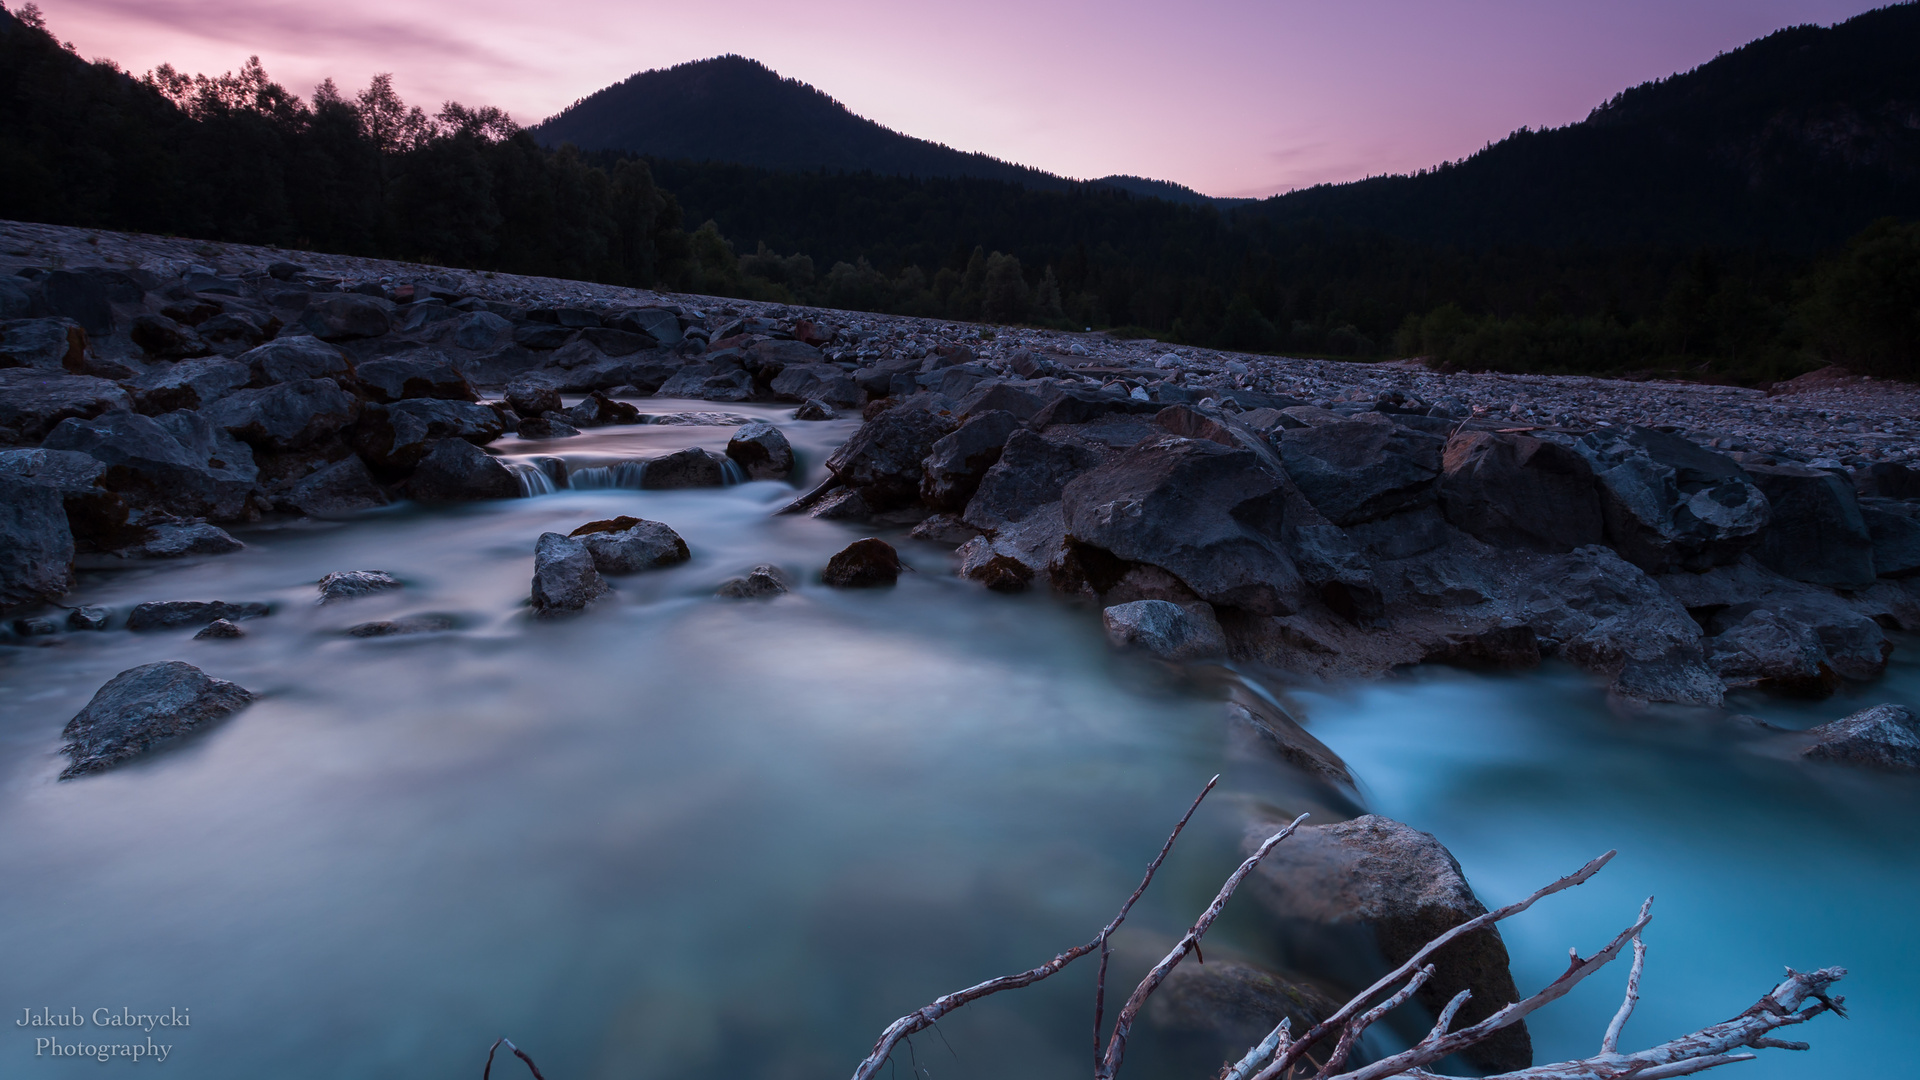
x,y
1883,737
1166,629
761,583
624,545
415,624
815,409
143,707
545,427
945,529
220,628
87,618
863,564
846,504
175,541
762,452
172,614
347,584
35,626
564,578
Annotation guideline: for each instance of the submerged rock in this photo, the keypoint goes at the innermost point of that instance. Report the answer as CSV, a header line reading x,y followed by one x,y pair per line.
x,y
220,628
1883,737
762,452
863,564
172,614
456,470
413,624
762,582
565,581
172,541
143,707
347,584
689,468
626,545
88,618
1166,629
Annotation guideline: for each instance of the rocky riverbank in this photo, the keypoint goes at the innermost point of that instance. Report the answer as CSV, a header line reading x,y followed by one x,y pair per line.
x,y
1319,518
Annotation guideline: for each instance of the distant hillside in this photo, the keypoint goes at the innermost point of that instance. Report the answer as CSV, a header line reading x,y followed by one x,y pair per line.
x,y
736,110
1796,140
1168,190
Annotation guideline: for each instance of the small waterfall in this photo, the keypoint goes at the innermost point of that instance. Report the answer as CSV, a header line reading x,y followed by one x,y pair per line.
x,y
532,480
731,473
624,474
556,470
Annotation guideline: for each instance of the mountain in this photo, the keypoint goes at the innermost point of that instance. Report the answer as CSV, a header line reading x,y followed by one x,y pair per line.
x,y
736,110
1796,140
1168,190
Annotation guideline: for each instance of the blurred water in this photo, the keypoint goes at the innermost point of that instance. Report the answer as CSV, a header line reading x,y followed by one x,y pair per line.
x,y
680,837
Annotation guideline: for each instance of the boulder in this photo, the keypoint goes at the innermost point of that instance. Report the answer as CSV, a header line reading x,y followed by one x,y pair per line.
x,y
1359,470
220,629
1166,629
49,345
842,504
87,618
178,463
174,540
1606,615
348,584
286,416
295,359
957,462
659,324
863,564
1852,644
599,410
815,409
532,397
33,402
1001,397
610,342
1183,421
1894,528
1888,480
173,614
883,459
338,490
1762,651
142,708
482,331
1079,406
545,427
15,302
626,545
162,338
422,374
1031,473
413,624
96,516
1515,491
1375,878
1883,737
761,583
1208,515
36,547
945,529
534,335
82,297
455,470
233,333
1817,533
192,384
816,382
761,451
565,581
499,366
983,560
347,317
1670,504
689,468
399,435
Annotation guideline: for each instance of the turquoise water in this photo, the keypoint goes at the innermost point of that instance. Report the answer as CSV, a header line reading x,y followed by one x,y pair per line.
x,y
680,837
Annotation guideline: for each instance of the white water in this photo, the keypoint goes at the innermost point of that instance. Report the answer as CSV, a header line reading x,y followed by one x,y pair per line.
x,y
679,837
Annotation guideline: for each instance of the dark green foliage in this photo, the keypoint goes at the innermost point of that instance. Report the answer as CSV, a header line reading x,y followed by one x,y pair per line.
x,y
1864,305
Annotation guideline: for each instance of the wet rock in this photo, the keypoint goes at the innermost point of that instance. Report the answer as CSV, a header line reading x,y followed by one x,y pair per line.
x,y
163,339
36,546
205,474
659,324
1001,397
232,333
815,409
689,468
1817,533
565,581
945,529
413,624
142,708
338,490
1606,615
219,628
1359,470
1515,491
1894,528
982,561
1183,421
1333,563
762,452
542,335
1209,515
817,382
1671,504
399,435
455,470
1165,629
287,416
842,504
347,317
96,517
348,584
761,583
423,374
295,359
883,459
33,402
43,344
35,626
863,564
173,614
1852,643
1762,651
545,427
172,541
1031,473
1505,647
626,545
957,462
1401,888
1883,737
88,618
532,397
599,410
1080,406
482,331
191,384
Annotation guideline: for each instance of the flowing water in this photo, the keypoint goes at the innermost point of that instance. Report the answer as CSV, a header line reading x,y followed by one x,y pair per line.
x,y
682,837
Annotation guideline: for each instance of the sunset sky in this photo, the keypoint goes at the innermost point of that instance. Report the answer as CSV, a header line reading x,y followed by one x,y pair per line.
x,y
1231,97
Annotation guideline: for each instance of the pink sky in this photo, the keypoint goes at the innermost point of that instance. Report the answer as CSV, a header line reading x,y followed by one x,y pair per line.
x,y
1232,97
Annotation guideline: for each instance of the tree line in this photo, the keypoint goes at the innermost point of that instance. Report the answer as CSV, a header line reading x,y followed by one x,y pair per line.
x,y
237,157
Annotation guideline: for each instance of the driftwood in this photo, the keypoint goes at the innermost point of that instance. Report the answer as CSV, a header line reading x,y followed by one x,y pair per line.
x,y
1282,1056
487,1073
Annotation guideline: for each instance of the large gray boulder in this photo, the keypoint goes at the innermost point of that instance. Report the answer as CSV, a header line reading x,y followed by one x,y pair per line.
x,y
173,614
1375,878
689,468
141,709
1166,629
1763,651
1607,616
626,545
1030,474
762,452
1883,737
1359,470
660,324
33,402
1817,533
422,374
1514,491
533,395
341,489
455,470
43,344
173,540
1894,528
399,436
347,317
482,331
1670,504
883,459
565,580
1206,514
864,564
190,384
162,338
958,461
176,463
294,359
351,584
817,382
36,547
286,416
96,516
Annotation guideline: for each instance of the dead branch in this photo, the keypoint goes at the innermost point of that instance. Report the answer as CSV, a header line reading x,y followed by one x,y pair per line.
x,y
487,1073
927,1016
1610,1042
1266,1049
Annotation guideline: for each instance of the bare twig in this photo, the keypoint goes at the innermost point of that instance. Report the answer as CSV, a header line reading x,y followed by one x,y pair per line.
x,y
1365,1020
1123,1025
1610,1042
925,1017
1264,1050
487,1073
